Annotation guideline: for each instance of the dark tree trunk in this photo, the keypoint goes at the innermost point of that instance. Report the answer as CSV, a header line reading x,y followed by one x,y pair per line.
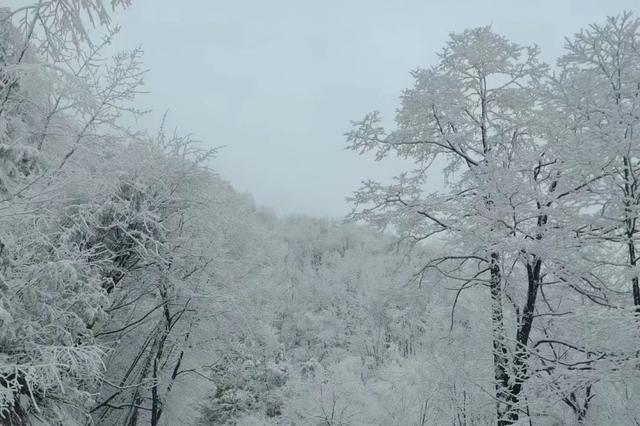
x,y
500,351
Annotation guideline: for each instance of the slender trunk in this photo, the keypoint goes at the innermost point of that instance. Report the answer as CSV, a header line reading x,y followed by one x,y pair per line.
x,y
630,219
634,279
137,399
156,402
500,352
521,369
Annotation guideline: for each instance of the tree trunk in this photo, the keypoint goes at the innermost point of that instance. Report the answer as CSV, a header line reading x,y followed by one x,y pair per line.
x,y
500,352
630,224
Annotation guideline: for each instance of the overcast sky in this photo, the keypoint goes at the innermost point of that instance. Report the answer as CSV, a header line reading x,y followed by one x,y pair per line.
x,y
277,82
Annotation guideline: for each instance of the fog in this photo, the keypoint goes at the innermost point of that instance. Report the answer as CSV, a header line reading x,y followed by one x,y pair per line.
x,y
277,82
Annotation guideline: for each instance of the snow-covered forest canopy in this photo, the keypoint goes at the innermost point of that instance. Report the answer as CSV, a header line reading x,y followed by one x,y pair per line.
x,y
137,287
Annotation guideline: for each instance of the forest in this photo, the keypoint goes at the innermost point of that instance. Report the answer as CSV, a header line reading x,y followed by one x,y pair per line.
x,y
137,287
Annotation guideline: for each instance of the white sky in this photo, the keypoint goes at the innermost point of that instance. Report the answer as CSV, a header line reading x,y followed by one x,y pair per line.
x,y
277,82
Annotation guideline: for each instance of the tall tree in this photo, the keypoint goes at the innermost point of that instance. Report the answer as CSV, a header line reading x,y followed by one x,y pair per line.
x,y
598,92
475,114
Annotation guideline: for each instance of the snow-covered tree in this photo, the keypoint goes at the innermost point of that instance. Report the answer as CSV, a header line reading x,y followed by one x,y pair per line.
x,y
510,211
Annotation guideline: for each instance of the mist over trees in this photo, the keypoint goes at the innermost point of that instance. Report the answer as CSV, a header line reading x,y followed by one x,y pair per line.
x,y
137,287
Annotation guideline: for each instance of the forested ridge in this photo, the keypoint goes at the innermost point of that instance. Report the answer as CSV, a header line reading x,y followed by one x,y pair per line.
x,y
138,287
